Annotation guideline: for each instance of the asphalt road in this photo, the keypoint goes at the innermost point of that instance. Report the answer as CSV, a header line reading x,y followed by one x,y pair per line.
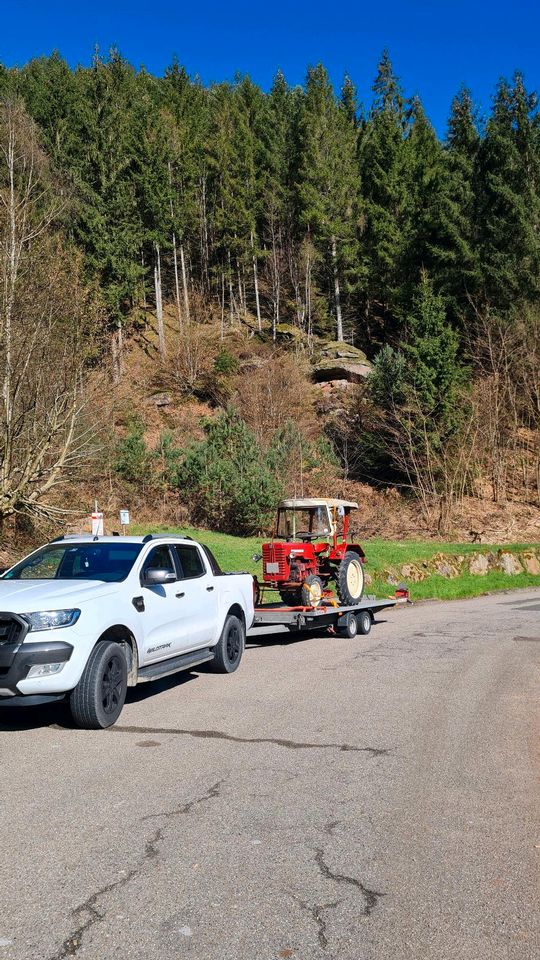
x,y
373,798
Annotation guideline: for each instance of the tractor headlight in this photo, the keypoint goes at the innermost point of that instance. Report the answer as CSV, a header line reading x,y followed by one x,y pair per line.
x,y
51,619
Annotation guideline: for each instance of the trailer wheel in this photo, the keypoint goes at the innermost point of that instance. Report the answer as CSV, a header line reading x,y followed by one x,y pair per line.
x,y
348,625
312,591
364,622
350,579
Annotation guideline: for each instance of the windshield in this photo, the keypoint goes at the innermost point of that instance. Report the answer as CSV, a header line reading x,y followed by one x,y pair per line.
x,y
292,523
110,562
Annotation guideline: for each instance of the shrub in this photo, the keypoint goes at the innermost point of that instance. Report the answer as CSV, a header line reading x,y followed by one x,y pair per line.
x,y
229,482
133,459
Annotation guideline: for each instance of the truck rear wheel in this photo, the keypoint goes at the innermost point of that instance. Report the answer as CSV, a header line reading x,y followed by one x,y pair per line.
x,y
97,700
230,646
350,579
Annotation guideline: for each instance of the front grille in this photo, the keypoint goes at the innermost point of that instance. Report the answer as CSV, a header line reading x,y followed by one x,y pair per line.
x,y
11,629
275,554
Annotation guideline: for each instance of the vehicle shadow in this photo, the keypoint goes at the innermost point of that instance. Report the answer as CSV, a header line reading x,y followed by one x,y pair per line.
x,y
14,718
283,638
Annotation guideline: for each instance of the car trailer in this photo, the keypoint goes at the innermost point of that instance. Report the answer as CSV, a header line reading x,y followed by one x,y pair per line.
x,y
348,621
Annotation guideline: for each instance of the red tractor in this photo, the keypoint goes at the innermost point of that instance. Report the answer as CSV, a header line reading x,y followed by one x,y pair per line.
x,y
310,548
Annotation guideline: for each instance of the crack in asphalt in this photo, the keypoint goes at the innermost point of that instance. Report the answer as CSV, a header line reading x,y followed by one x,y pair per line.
x,y
371,897
277,741
89,908
212,792
316,914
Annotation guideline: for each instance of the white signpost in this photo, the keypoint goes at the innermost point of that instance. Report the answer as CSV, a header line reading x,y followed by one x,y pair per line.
x,y
97,524
124,520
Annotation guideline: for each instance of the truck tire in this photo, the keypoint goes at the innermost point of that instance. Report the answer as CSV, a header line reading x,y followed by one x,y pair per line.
x,y
230,646
350,579
311,593
97,700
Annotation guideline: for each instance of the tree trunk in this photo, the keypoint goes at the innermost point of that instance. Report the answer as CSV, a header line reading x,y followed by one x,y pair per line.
x,y
177,284
256,283
159,304
339,320
222,334
184,283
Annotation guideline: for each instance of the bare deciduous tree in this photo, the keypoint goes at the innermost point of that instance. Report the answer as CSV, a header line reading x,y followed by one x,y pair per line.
x,y
43,328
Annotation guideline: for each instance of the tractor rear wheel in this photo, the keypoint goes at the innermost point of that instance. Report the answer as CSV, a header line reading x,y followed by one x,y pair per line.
x,y
312,591
350,579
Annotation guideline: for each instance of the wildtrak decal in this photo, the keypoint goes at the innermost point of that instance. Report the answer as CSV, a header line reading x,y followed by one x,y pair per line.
x,y
161,646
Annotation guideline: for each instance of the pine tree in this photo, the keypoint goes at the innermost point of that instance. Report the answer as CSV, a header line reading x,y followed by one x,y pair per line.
x,y
508,202
386,204
328,183
435,372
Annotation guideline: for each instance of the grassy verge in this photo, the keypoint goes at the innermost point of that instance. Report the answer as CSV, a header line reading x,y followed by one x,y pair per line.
x,y
235,553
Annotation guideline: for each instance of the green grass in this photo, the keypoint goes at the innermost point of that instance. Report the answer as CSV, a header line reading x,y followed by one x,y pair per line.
x,y
235,553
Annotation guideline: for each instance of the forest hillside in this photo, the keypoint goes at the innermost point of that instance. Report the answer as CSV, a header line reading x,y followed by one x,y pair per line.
x,y
212,296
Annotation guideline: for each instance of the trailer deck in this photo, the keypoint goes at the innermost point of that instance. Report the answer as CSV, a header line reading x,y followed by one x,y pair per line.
x,y
327,615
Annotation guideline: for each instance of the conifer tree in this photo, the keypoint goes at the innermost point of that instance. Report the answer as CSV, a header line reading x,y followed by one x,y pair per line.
x,y
386,203
508,205
328,183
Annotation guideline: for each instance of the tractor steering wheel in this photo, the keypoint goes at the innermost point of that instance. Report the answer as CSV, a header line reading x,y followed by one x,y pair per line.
x,y
305,536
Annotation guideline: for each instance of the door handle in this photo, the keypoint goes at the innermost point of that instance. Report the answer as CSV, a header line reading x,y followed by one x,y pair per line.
x,y
209,589
179,595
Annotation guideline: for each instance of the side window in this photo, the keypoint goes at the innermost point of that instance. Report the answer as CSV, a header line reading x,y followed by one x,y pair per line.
x,y
190,562
160,557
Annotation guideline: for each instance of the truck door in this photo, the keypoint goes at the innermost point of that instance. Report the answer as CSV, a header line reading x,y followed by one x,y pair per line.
x,y
162,638
198,600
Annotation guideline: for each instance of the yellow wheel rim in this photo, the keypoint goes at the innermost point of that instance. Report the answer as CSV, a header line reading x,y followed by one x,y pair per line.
x,y
354,578
315,594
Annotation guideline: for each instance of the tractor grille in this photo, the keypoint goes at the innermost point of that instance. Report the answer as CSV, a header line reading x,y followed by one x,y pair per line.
x,y
275,565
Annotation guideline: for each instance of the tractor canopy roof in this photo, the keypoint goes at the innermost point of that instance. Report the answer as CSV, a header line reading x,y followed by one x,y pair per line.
x,y
312,502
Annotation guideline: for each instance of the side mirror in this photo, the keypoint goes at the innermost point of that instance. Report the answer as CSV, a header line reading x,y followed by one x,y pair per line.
x,y
256,557
154,576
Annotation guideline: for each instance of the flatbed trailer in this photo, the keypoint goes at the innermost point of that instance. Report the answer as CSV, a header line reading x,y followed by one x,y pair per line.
x,y
335,618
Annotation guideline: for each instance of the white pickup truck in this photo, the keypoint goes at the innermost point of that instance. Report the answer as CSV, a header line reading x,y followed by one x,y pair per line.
x,y
87,617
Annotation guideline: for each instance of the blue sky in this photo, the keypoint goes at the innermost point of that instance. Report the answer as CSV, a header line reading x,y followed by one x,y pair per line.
x,y
435,46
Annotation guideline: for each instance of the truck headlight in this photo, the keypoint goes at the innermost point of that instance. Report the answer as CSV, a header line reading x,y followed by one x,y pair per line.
x,y
51,619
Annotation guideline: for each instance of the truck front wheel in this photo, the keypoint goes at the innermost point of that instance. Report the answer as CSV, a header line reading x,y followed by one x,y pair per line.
x,y
97,700
230,646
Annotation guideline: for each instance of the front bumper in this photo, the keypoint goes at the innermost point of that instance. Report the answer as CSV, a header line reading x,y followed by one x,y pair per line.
x,y
28,654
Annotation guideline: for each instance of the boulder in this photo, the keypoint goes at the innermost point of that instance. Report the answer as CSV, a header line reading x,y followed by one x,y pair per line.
x,y
478,565
531,562
510,564
161,399
337,350
446,566
328,370
288,333
413,573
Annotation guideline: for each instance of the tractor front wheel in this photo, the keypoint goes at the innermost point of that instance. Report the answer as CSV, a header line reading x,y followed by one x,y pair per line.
x,y
312,591
350,579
